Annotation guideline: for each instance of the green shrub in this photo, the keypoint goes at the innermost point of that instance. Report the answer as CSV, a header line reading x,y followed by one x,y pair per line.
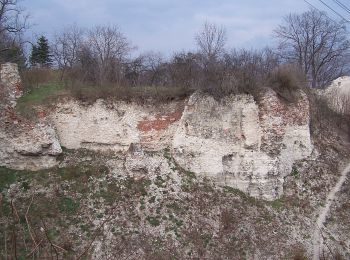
x,y
153,221
277,204
7,177
295,172
68,206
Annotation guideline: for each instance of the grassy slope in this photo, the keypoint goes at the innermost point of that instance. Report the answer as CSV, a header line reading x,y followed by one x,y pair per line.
x,y
48,93
44,94
171,215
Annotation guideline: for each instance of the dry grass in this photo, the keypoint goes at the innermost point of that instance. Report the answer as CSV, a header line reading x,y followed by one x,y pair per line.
x,y
286,80
139,94
324,120
34,78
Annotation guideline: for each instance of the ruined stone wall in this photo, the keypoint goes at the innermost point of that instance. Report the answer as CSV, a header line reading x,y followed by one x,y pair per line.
x,y
11,84
23,145
236,141
103,126
243,144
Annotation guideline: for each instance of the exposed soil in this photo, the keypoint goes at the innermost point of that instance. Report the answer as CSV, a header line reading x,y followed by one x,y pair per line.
x,y
324,211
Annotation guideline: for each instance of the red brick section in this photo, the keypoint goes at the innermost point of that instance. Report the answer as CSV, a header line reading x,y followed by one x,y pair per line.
x,y
41,114
18,90
161,121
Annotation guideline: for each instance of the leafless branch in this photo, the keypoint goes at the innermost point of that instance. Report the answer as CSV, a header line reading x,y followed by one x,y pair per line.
x,y
316,43
28,223
48,238
211,40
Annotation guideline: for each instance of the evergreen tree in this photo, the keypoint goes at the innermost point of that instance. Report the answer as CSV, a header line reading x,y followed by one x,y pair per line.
x,y
41,55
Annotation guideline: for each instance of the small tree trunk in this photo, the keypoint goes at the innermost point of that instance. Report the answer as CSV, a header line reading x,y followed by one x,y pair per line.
x,y
62,74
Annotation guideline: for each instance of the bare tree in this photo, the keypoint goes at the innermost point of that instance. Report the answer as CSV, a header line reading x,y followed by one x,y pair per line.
x,y
109,47
211,41
88,66
185,70
134,70
66,47
13,20
316,43
153,63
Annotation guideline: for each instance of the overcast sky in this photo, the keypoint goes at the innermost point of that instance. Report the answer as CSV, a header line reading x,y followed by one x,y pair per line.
x,y
170,25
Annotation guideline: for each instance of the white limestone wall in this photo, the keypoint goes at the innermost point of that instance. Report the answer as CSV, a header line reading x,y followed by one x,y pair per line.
x,y
338,95
240,143
96,126
23,145
105,126
229,148
30,148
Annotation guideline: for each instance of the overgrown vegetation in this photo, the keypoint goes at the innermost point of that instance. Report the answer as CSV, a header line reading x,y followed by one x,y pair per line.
x,y
7,177
45,94
237,72
325,120
65,209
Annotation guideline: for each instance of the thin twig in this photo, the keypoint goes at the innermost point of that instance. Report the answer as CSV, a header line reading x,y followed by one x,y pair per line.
x,y
14,242
48,238
96,234
14,235
5,244
35,248
27,221
59,247
14,211
24,238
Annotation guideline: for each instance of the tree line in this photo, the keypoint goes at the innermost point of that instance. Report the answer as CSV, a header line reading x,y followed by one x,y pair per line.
x,y
310,42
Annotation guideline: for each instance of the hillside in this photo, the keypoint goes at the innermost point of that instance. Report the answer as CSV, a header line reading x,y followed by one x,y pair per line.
x,y
200,177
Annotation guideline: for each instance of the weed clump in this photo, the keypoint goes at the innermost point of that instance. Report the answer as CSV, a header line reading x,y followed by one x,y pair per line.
x,y
68,206
7,177
295,172
287,80
153,221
